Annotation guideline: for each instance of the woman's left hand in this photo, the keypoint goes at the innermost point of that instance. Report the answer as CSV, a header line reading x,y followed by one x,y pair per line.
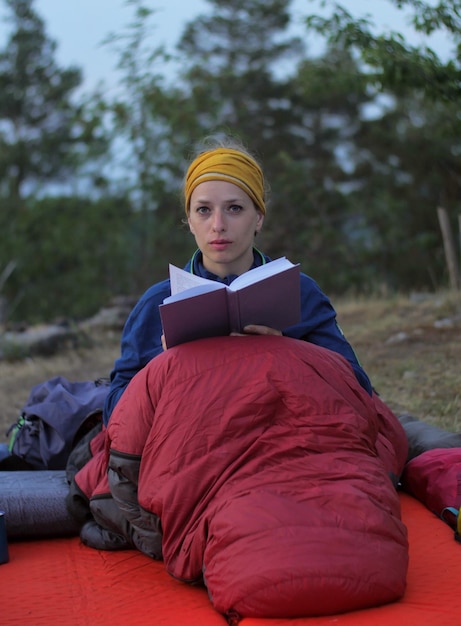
x,y
256,329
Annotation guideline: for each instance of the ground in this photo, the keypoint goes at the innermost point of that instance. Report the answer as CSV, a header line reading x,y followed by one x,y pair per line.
x,y
410,346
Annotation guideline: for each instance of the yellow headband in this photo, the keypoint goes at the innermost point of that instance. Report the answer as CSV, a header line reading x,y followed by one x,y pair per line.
x,y
228,165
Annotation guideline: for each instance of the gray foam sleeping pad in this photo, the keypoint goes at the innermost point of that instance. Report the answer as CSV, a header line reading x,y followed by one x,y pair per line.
x,y
34,503
423,436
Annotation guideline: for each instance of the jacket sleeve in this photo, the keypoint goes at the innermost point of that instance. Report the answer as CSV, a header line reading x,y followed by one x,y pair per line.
x,y
141,342
319,325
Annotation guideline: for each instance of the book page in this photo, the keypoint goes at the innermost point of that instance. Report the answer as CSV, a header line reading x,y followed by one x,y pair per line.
x,y
191,292
261,272
181,280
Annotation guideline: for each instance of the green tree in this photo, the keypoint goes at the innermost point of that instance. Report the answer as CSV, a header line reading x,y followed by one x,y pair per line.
x,y
405,157
44,136
237,62
48,142
406,164
330,93
143,114
391,61
76,263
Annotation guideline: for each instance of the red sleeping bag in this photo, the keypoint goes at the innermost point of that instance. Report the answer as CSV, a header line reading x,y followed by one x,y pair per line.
x,y
267,472
434,477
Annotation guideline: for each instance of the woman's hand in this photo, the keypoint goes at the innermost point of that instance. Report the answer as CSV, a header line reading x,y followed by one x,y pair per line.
x,y
163,342
256,329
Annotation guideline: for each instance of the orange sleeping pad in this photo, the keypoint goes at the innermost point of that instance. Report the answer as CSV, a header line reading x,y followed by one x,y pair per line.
x,y
60,581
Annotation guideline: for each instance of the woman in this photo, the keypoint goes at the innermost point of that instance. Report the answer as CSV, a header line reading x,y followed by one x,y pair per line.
x,y
257,466
225,207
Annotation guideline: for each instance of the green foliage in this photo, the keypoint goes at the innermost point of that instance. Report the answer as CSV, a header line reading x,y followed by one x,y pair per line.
x,y
408,165
231,57
72,256
43,132
405,157
390,61
138,115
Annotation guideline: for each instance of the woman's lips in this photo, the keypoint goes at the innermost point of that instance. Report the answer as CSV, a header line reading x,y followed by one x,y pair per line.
x,y
220,244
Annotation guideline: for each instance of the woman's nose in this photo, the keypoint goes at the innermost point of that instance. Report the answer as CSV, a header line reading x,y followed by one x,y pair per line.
x,y
219,222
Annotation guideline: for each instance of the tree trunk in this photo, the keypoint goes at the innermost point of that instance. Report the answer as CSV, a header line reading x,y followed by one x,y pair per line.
x,y
449,247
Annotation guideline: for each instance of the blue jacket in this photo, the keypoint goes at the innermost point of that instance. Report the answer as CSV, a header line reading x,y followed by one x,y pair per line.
x,y
141,338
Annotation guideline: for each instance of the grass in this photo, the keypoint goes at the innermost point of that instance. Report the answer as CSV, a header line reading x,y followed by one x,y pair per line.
x,y
410,347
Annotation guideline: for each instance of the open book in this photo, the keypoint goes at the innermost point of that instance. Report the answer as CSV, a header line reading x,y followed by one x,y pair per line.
x,y
198,307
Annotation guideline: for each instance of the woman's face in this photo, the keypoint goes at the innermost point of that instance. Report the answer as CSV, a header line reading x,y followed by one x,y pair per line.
x,y
224,221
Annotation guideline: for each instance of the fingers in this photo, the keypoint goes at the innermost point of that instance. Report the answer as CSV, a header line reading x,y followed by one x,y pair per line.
x,y
256,329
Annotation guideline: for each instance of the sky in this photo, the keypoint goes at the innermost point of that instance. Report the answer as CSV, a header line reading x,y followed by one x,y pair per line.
x,y
80,26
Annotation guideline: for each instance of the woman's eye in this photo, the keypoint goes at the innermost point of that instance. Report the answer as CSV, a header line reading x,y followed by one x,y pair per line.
x,y
202,210
235,208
